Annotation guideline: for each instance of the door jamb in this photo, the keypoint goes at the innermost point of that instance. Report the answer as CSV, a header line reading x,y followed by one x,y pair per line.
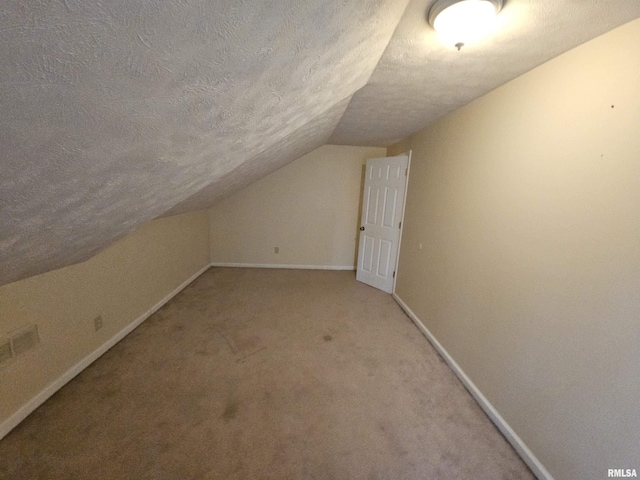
x,y
404,206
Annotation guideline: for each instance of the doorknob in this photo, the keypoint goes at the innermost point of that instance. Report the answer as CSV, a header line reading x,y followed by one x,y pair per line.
x,y
361,228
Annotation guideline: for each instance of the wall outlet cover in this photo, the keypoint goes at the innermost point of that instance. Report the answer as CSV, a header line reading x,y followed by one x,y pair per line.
x,y
6,354
97,322
24,340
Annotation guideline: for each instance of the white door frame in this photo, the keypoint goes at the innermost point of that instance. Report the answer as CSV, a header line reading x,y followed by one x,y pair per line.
x,y
404,206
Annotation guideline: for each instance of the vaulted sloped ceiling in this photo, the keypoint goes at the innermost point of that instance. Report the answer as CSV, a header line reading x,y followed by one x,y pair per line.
x,y
116,112
310,136
113,112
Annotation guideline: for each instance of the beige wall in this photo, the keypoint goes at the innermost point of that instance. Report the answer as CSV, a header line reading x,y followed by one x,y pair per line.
x,y
121,284
527,203
309,209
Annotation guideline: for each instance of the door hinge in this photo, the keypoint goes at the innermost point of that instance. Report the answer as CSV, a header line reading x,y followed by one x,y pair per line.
x,y
394,274
406,172
400,225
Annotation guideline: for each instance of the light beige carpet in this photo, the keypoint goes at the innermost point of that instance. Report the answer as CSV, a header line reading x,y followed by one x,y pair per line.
x,y
265,374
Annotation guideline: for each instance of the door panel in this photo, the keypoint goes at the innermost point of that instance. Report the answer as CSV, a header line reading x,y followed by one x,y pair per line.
x,y
385,257
372,205
390,201
368,245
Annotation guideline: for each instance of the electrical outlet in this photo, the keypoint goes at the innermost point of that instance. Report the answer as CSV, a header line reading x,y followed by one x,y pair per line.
x,y
24,339
276,249
5,351
97,322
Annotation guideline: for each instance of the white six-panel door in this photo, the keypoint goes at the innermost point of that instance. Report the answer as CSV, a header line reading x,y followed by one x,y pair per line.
x,y
384,186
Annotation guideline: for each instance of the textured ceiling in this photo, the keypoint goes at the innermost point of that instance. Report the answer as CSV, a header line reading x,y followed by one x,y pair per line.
x,y
117,112
114,112
419,79
305,139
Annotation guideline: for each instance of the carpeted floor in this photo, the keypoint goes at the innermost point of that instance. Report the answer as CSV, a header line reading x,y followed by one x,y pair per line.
x,y
265,374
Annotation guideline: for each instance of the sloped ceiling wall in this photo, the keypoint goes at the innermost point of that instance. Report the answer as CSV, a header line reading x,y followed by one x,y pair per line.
x,y
310,136
113,112
116,112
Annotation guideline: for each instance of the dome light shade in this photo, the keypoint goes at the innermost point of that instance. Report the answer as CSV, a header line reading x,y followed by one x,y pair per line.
x,y
462,21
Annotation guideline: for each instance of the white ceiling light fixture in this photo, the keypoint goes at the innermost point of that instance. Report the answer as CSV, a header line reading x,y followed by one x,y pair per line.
x,y
462,21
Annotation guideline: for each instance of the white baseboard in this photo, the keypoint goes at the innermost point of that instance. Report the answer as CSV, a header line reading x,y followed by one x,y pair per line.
x,y
22,413
516,442
280,265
